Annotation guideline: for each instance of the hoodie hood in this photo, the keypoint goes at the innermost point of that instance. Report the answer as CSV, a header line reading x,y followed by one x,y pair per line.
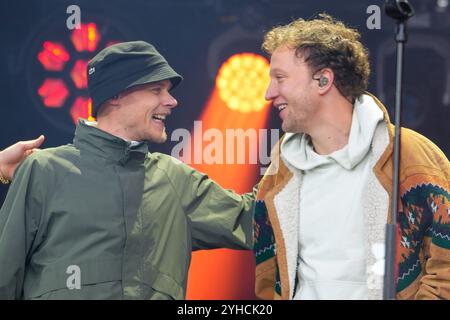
x,y
297,149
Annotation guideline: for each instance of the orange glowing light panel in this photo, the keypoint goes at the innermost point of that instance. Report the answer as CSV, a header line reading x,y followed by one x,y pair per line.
x,y
86,38
78,74
81,108
224,273
242,82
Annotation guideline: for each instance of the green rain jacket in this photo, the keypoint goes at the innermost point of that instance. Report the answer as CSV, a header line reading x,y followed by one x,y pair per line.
x,y
106,219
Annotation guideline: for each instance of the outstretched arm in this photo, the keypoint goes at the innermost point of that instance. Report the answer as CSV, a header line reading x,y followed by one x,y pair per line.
x,y
13,155
219,218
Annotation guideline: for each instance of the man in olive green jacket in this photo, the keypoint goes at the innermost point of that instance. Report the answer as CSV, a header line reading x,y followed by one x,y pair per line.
x,y
104,218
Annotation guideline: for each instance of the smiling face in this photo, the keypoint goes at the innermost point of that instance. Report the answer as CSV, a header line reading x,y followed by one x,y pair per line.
x,y
143,110
292,90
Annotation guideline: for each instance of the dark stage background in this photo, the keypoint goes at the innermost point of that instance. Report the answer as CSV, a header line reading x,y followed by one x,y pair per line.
x,y
196,37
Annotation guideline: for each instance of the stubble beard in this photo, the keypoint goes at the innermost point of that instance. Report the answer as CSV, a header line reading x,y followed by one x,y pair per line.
x,y
161,138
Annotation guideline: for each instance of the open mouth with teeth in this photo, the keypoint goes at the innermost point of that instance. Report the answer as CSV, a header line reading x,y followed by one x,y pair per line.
x,y
281,107
159,117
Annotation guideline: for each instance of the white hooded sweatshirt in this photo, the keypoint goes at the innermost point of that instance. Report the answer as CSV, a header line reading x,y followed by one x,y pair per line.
x,y
331,258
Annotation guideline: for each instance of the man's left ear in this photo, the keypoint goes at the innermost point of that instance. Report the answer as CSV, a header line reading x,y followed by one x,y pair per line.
x,y
325,79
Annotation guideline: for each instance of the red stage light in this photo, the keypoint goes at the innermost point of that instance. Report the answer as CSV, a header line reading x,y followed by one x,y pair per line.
x,y
53,56
53,93
86,38
78,74
82,107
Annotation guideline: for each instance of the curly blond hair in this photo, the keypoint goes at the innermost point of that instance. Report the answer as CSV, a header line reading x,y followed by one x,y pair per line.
x,y
326,43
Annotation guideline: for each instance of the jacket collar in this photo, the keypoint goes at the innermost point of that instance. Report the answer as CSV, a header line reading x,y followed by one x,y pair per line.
x,y
93,140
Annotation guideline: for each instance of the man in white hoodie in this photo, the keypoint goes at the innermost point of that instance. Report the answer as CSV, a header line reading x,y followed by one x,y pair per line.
x,y
323,205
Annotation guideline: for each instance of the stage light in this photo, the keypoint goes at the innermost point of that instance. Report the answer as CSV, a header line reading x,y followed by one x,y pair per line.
x,y
442,3
82,107
237,105
57,75
53,56
86,38
78,74
53,93
242,82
